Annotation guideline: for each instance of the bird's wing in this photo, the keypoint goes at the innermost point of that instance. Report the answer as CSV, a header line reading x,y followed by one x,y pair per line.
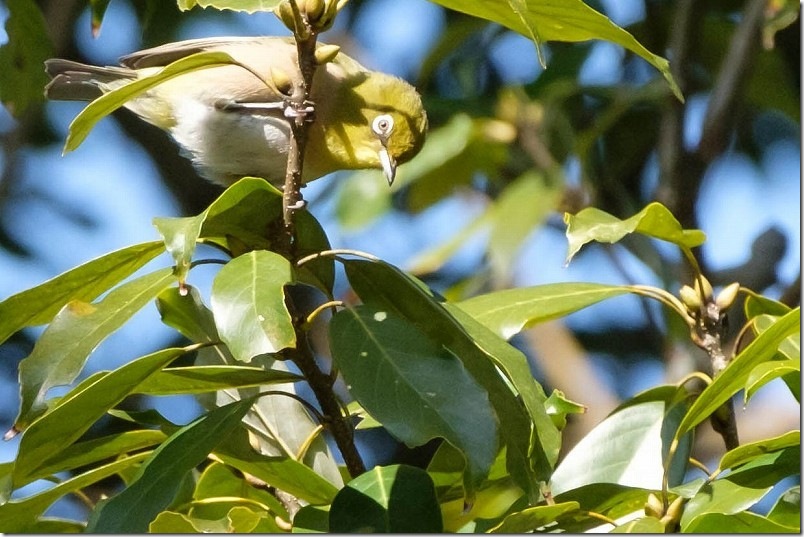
x,y
170,52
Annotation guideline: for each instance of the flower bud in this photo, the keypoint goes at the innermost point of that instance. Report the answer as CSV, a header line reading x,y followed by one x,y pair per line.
x,y
674,512
690,298
284,12
654,506
326,53
727,296
312,9
707,288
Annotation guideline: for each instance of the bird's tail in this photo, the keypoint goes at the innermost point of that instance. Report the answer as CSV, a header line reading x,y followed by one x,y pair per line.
x,y
73,81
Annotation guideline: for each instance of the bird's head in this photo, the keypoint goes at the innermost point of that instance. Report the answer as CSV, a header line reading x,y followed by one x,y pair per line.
x,y
380,123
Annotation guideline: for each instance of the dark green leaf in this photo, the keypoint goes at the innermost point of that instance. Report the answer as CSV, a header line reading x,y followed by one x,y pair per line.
x,y
77,411
655,221
157,481
311,519
39,304
76,331
186,312
248,302
98,8
22,77
395,499
200,379
559,20
114,99
510,311
733,378
414,387
385,288
736,523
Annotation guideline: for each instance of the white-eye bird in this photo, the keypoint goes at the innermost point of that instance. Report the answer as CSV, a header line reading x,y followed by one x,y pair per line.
x,y
231,124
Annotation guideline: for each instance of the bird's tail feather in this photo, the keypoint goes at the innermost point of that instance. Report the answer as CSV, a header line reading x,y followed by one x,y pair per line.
x,y
73,81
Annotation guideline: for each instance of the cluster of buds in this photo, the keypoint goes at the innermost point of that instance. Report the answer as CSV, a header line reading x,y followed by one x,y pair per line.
x,y
669,517
700,298
313,15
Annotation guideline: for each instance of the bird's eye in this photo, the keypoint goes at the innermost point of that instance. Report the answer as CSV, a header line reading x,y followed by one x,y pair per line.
x,y
383,125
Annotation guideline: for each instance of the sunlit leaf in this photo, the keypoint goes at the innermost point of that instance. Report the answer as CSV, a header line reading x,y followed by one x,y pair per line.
x,y
199,379
80,409
744,522
157,481
249,6
248,302
61,351
392,499
787,509
533,518
655,220
747,452
86,282
20,515
733,377
559,20
510,311
558,406
789,370
641,525
411,385
171,522
114,99
180,235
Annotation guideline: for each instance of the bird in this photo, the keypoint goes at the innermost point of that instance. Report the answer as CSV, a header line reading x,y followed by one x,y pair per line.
x,y
231,123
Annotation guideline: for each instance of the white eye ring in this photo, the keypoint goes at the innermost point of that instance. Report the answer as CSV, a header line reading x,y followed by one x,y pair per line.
x,y
383,125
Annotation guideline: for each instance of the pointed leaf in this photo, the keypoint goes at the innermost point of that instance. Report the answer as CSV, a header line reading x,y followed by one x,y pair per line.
x,y
733,377
180,235
510,311
559,20
646,524
248,302
77,411
65,345
114,99
393,499
736,523
748,452
39,304
249,6
19,515
158,479
415,388
533,518
787,509
210,378
789,370
26,47
655,221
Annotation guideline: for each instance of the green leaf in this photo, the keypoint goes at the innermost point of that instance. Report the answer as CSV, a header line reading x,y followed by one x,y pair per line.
x,y
755,305
39,304
789,370
114,99
311,519
170,522
180,235
627,448
531,454
157,481
655,221
249,6
748,452
245,210
558,406
613,501
186,312
281,472
560,20
510,311
787,509
21,75
742,488
221,481
98,9
533,518
200,379
77,411
362,198
392,499
790,348
733,377
20,515
413,386
63,348
248,302
736,523
96,450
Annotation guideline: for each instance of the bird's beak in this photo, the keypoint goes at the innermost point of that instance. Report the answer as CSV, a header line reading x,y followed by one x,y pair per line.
x,y
388,165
